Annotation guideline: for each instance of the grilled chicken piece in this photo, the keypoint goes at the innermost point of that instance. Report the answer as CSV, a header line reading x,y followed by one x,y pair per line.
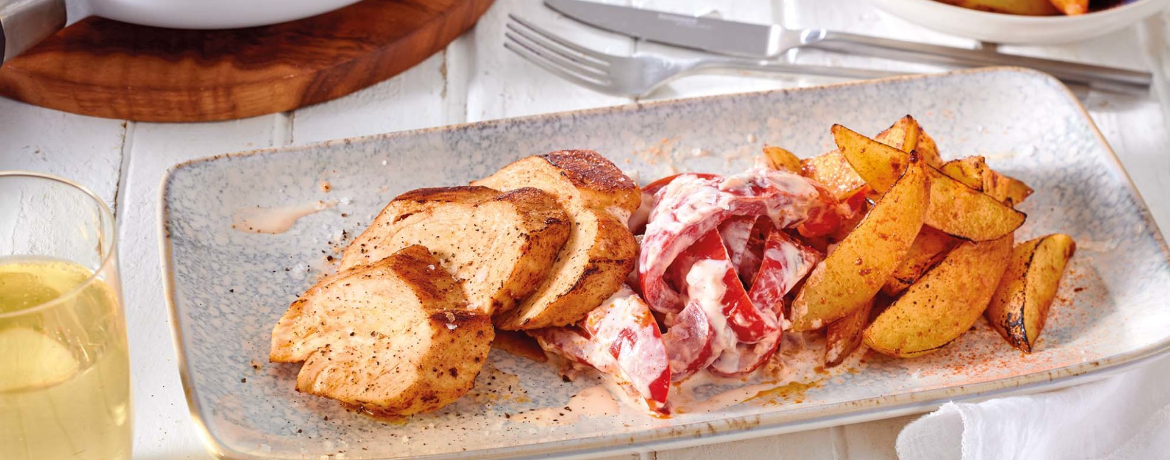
x,y
391,338
600,251
499,244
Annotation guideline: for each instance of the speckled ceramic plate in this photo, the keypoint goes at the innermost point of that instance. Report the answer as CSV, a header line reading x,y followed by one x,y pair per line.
x,y
227,286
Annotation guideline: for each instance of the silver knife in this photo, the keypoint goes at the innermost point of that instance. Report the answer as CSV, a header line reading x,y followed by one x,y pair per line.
x,y
24,23
769,41
706,34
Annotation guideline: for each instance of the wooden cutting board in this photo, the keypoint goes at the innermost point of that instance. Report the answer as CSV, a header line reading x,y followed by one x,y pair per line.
x,y
111,69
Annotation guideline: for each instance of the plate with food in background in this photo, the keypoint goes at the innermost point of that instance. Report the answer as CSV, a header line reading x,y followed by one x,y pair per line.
x,y
1023,22
659,275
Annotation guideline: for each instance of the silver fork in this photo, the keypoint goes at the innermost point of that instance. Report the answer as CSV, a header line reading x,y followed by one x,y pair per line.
x,y
640,75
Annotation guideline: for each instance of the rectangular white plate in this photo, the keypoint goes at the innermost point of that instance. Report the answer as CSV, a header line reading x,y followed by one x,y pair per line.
x,y
227,288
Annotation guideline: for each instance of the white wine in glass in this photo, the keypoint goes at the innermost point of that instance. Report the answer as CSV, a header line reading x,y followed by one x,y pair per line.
x,y
64,366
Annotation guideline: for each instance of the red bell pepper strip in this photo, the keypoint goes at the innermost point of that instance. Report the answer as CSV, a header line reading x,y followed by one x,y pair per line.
x,y
786,262
737,234
659,184
690,342
748,262
641,215
745,358
825,220
621,339
711,272
689,207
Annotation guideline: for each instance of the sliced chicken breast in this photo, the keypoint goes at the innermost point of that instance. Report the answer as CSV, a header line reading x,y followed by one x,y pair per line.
x,y
600,250
498,244
392,338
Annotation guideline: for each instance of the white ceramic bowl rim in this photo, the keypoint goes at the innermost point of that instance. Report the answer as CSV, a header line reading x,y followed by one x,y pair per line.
x,y
1025,20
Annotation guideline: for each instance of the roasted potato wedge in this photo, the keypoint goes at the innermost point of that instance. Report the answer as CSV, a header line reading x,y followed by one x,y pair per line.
x,y
782,159
1017,190
927,250
843,336
902,135
1005,188
833,171
944,303
1023,7
967,170
928,149
954,208
907,135
1071,7
859,266
1019,308
932,245
878,164
968,213
974,172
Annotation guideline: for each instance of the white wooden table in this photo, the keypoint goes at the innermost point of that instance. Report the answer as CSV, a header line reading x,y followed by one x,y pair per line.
x,y
475,79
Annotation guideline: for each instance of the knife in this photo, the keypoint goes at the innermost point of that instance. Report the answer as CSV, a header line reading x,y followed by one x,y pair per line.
x,y
770,41
706,34
24,23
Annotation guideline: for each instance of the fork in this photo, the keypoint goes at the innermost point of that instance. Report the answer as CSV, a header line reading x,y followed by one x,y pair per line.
x,y
640,75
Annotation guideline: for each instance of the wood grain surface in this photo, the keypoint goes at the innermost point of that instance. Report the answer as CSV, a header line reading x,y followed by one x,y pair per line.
x,y
110,69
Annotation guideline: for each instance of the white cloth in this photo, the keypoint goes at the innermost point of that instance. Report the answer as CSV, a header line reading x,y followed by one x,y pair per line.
x,y
1126,416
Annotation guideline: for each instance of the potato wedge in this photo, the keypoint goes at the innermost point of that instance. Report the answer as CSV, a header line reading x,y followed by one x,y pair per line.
x,y
859,266
968,213
943,304
1019,308
843,336
878,164
974,172
1005,188
954,208
833,171
928,149
1017,190
781,159
907,135
930,247
1022,7
1071,7
902,135
968,170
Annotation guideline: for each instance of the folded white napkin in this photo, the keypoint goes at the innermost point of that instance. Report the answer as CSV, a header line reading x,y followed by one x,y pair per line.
x,y
1122,417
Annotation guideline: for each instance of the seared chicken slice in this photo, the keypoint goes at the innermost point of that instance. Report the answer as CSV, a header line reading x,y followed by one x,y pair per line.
x,y
391,338
498,244
600,251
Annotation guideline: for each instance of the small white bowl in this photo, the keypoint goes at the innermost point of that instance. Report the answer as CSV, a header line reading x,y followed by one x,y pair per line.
x,y
211,14
1015,29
